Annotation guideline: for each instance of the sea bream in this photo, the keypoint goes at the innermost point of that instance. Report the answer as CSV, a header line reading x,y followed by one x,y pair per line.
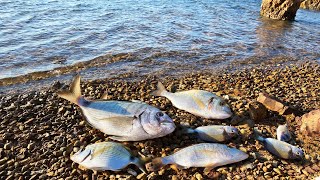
x,y
283,134
215,133
280,148
198,102
208,155
106,156
125,120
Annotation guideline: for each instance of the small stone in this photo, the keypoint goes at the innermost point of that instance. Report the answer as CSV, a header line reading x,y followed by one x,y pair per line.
x,y
31,146
7,146
174,177
265,169
142,176
198,176
277,170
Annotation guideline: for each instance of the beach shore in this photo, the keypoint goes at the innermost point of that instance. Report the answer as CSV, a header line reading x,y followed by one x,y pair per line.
x,y
39,130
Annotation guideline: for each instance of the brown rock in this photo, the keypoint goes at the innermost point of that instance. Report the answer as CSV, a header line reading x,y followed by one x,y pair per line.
x,y
257,111
280,9
310,123
311,4
274,104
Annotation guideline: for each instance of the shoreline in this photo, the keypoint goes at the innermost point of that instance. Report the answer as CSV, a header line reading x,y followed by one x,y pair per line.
x,y
44,129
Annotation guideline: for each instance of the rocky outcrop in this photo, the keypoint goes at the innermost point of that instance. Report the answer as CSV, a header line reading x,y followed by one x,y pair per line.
x,y
310,123
280,9
311,4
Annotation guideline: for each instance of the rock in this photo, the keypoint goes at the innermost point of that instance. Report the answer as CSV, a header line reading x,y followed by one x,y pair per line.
x,y
274,104
7,146
257,111
311,4
142,176
310,123
280,9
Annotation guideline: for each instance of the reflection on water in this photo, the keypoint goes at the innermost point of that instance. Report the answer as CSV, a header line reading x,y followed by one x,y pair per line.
x,y
51,35
271,36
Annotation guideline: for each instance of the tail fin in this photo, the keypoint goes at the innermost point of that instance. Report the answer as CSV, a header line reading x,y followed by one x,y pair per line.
x,y
257,135
155,165
73,93
160,90
190,131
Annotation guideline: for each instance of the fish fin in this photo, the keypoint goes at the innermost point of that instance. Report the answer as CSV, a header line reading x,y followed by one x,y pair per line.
x,y
119,138
88,156
74,93
190,131
160,90
257,135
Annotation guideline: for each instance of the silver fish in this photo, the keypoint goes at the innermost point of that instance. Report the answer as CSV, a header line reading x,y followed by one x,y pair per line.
x,y
215,133
126,121
280,148
198,102
283,134
106,156
208,155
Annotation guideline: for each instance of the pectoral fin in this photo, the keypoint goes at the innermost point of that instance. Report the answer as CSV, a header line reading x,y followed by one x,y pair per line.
x,y
119,138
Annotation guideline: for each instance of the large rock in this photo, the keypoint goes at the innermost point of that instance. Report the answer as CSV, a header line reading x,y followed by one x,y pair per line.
x,y
280,9
311,4
310,123
274,104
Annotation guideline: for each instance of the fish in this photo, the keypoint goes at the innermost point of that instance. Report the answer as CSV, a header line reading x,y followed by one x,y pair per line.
x,y
208,155
106,156
124,120
198,102
283,134
215,133
280,148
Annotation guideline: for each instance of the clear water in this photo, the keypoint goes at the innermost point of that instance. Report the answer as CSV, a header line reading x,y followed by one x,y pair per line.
x,y
43,35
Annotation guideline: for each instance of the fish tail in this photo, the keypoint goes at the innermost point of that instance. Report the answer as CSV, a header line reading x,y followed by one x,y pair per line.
x,y
190,131
257,135
74,93
155,164
160,90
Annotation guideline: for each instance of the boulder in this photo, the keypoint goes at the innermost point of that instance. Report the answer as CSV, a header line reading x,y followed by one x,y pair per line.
x,y
310,123
280,9
311,4
273,104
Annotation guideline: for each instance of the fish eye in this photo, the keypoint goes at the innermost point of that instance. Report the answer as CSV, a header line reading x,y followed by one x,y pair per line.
x,y
159,114
221,103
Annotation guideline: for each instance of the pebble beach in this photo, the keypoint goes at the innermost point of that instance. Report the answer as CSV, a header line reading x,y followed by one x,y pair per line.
x,y
39,130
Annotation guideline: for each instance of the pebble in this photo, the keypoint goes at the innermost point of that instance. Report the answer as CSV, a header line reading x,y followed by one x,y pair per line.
x,y
61,130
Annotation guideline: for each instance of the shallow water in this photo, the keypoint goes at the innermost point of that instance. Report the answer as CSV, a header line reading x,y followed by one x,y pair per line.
x,y
40,36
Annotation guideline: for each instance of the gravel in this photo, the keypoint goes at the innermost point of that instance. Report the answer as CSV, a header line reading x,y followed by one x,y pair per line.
x,y
39,131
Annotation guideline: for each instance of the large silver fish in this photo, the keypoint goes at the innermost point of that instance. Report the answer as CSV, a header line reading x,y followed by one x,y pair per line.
x,y
198,102
127,121
280,148
208,155
283,134
106,156
215,133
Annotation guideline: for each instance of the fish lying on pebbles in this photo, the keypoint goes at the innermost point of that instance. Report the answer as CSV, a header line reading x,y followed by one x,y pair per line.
x,y
126,121
106,156
280,148
215,133
198,102
283,134
208,155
